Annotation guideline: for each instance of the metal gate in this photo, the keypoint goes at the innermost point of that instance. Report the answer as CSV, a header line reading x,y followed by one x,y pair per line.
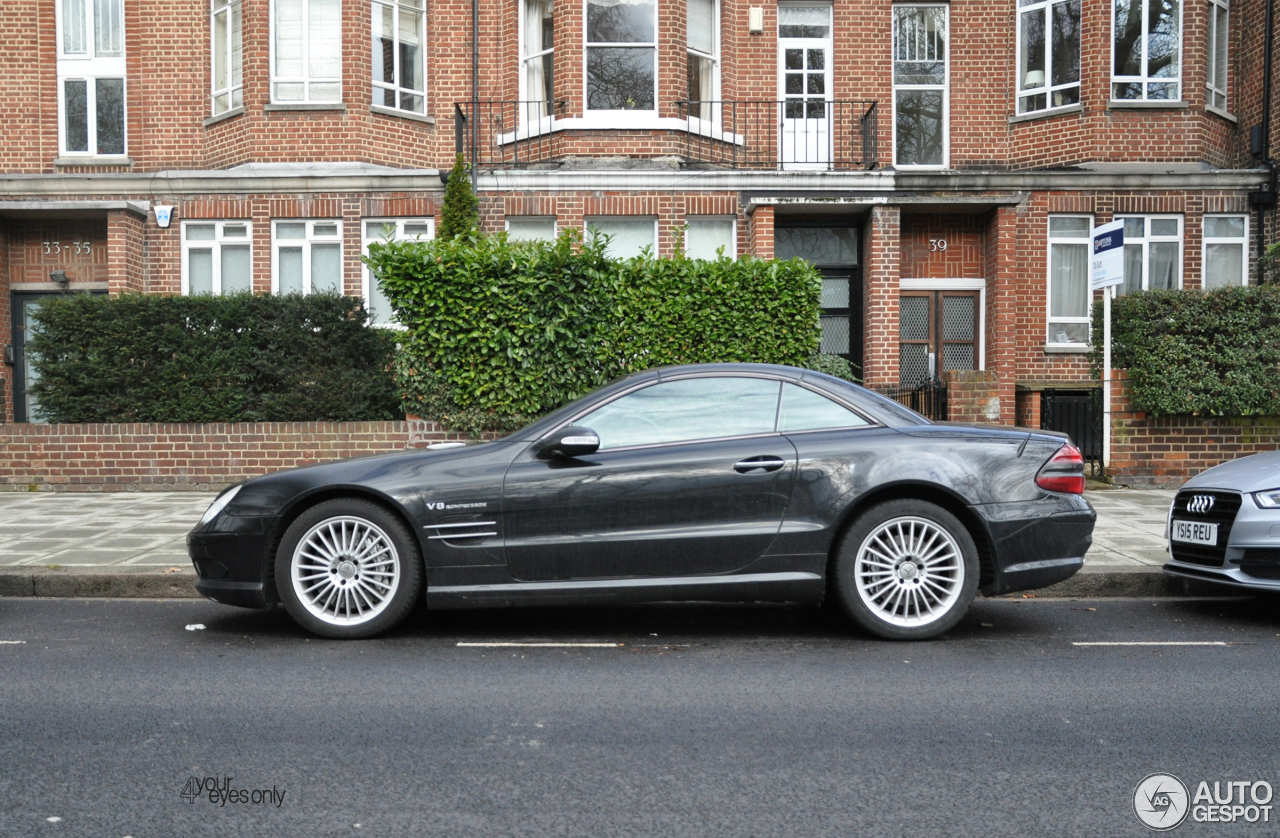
x,y
1078,414
928,398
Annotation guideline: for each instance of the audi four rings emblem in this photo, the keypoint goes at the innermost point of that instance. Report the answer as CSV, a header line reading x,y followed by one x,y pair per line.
x,y
1200,504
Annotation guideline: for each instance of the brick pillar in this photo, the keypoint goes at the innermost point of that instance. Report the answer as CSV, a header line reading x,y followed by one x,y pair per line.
x,y
974,396
1002,307
761,227
880,295
126,251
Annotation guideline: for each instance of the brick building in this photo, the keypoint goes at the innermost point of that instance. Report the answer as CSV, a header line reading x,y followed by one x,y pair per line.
x,y
941,162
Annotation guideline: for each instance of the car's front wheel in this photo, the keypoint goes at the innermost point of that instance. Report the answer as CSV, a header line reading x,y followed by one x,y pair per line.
x,y
348,568
906,570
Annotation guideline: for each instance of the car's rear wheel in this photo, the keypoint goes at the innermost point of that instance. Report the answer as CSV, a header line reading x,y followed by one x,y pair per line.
x,y
348,568
906,570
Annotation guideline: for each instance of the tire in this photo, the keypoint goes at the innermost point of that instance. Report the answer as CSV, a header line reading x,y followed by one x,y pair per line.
x,y
348,568
880,582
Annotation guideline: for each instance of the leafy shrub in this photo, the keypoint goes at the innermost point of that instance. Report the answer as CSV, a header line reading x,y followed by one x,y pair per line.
x,y
239,358
832,365
499,332
1213,353
460,212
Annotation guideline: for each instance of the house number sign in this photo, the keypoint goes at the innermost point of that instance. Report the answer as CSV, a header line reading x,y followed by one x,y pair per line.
x,y
937,245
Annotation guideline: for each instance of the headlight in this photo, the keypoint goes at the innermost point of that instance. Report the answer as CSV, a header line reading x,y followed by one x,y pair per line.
x,y
1270,499
218,505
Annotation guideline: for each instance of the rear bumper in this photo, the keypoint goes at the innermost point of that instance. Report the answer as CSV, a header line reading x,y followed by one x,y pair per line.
x,y
1036,543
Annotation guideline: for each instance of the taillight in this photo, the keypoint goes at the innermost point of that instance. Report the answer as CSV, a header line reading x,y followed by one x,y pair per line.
x,y
1064,472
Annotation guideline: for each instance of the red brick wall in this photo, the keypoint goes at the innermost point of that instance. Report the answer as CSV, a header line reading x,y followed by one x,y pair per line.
x,y
880,284
82,458
974,396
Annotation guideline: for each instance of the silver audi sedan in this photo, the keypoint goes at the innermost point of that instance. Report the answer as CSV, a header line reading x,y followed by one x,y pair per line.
x,y
1224,524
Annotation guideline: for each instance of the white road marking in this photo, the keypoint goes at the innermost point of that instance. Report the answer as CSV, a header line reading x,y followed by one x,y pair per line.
x,y
195,627
1154,643
12,642
542,645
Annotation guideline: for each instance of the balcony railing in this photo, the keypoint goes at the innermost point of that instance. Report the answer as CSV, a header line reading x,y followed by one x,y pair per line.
x,y
803,134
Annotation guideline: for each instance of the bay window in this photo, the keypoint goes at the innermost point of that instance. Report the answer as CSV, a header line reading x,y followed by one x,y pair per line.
x,y
703,56
399,55
1048,54
920,76
217,257
1226,244
1070,237
91,77
1152,253
306,51
1219,35
621,55
1146,50
228,57
537,59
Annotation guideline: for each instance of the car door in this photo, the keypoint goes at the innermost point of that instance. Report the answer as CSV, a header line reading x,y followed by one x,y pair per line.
x,y
691,478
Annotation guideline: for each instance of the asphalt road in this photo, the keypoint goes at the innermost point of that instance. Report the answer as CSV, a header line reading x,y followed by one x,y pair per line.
x,y
709,721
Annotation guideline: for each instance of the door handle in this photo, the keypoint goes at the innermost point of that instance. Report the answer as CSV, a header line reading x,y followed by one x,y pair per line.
x,y
758,464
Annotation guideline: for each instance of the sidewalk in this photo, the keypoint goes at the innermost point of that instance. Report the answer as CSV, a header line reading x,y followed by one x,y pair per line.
x,y
132,544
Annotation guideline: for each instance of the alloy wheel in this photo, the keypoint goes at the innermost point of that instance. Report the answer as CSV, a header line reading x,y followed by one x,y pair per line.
x,y
909,571
345,570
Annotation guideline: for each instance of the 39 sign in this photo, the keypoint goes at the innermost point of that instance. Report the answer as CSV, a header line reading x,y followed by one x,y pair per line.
x,y
937,245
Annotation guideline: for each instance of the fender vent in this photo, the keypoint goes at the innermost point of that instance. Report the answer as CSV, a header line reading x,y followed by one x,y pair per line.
x,y
462,533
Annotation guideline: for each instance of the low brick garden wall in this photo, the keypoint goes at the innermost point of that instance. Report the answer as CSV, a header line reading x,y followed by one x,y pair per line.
x,y
142,457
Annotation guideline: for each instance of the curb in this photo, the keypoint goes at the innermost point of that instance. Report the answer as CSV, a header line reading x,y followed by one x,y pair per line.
x,y
153,584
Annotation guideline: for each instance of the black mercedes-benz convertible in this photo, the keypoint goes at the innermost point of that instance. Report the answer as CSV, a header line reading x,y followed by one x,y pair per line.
x,y
730,482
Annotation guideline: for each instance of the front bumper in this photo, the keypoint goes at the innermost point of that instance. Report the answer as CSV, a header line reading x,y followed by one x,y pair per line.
x,y
232,560
1226,575
1037,543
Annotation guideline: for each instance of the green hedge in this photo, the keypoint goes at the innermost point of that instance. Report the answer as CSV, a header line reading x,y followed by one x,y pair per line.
x,y
1215,353
240,358
499,332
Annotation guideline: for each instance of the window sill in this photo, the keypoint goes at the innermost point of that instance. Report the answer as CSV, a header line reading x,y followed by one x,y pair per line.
x,y
1147,105
1047,113
305,106
594,122
101,160
1228,117
416,117
225,115
1067,349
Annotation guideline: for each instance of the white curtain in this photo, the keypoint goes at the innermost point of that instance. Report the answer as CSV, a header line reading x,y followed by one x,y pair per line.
x,y
704,237
628,236
324,39
288,37
535,13
702,25
1070,292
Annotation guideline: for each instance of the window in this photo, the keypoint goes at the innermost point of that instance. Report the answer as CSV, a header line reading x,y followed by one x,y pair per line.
x,y
1146,48
91,71
537,59
1226,240
525,228
621,54
706,236
306,51
228,68
703,54
805,410
1070,237
686,409
399,36
381,230
306,257
1219,32
920,98
1152,253
1048,54
217,257
628,235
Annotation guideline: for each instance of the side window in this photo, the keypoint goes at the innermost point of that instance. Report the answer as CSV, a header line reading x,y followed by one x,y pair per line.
x,y
688,409
805,410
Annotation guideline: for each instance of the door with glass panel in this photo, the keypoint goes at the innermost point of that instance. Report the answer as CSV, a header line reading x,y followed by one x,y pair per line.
x,y
804,86
834,250
24,305
937,333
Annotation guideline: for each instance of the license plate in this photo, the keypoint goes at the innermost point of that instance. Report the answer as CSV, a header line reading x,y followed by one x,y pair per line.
x,y
1195,533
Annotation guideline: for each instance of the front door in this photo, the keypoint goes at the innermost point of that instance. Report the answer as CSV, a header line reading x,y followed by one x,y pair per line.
x,y
804,85
26,407
937,332
691,478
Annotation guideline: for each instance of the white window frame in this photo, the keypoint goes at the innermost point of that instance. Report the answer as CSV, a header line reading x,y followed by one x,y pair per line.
x,y
715,112
88,67
542,122
366,275
221,14
623,118
215,244
587,225
1146,242
396,7
731,251
945,87
1213,86
1047,88
1147,80
1206,240
555,223
306,243
306,80
1084,241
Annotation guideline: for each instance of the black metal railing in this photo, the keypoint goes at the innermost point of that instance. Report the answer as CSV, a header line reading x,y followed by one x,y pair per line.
x,y
1078,414
800,133
506,134
928,398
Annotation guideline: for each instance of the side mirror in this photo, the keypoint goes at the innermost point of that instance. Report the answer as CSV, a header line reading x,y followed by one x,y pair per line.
x,y
573,441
